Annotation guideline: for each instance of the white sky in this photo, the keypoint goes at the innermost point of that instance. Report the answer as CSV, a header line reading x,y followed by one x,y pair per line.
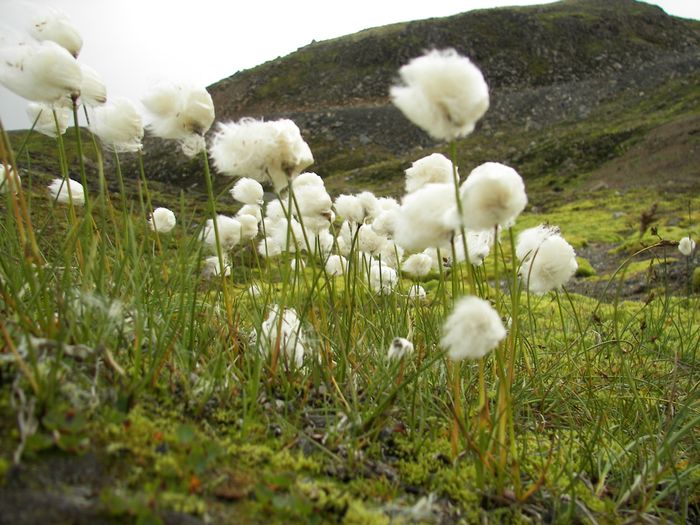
x,y
136,43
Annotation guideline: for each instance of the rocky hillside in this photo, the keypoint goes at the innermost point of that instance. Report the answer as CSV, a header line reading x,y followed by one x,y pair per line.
x,y
574,85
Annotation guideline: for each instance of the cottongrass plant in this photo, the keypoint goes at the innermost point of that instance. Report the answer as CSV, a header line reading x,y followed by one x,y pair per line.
x,y
258,324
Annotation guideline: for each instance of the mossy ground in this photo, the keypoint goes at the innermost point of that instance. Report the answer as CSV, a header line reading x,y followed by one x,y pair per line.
x,y
184,451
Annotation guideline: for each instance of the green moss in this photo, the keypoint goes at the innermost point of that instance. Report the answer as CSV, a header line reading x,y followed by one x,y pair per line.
x,y
4,467
584,268
359,514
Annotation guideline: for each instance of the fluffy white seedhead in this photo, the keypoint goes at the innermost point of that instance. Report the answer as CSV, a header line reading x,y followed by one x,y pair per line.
x,y
287,240
368,241
443,93
60,192
118,125
435,168
297,262
399,349
266,151
323,243
248,191
318,224
212,268
438,259
308,179
382,278
9,180
391,254
336,265
530,240
229,233
275,211
177,111
42,72
93,91
370,204
163,220
51,24
417,265
43,114
251,209
283,331
249,227
417,292
269,247
493,194
388,203
472,330
254,290
313,201
385,222
686,246
550,266
478,244
350,208
420,222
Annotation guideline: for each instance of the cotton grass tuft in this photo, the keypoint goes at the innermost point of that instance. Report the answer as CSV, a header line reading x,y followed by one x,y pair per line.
x,y
443,93
472,330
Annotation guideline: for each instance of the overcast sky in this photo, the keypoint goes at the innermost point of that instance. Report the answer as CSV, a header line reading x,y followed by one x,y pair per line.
x,y
136,43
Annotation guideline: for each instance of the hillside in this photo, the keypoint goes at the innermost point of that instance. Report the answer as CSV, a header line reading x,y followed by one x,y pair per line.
x,y
599,74
583,92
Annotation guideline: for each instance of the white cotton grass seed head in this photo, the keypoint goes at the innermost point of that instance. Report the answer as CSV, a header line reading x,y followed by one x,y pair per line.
x,y
417,292
323,244
382,278
385,222
229,233
529,240
269,247
370,204
478,244
271,151
312,201
283,331
399,348
211,267
686,246
431,169
162,220
297,263
391,254
350,208
420,222
49,23
493,194
9,180
336,265
307,178
118,125
472,330
249,227
177,111
42,116
93,91
248,191
251,209
443,93
254,290
39,71
275,211
550,267
60,192
368,241
417,265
